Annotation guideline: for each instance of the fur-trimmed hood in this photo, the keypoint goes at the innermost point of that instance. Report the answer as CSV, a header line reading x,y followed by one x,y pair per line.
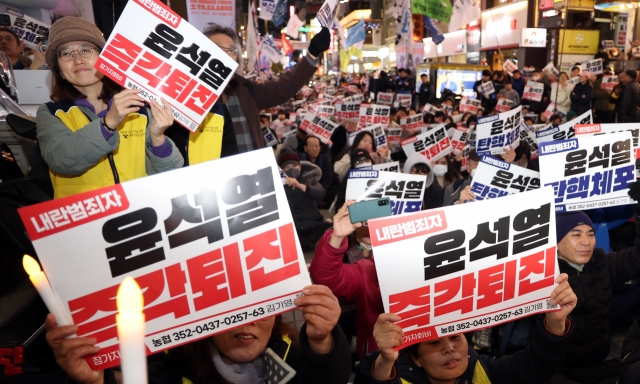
x,y
419,158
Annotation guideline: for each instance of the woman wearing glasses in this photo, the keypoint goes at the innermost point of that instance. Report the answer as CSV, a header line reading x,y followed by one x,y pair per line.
x,y
94,133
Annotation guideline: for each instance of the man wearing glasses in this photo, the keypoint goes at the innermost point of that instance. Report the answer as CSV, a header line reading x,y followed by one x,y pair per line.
x,y
10,44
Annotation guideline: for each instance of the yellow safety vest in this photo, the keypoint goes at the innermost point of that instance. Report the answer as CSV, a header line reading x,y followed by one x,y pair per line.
x,y
129,158
206,142
479,375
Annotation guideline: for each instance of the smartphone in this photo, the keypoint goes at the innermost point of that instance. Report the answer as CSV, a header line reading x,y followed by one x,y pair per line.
x,y
370,209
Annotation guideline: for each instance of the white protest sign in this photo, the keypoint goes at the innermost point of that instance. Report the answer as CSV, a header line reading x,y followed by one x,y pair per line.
x,y
359,97
404,100
374,114
433,144
509,66
269,137
635,51
347,110
563,131
529,136
267,8
574,80
450,280
468,104
487,89
325,14
496,178
393,166
404,190
609,82
153,49
27,28
428,108
411,122
496,132
270,49
601,129
459,139
503,105
448,109
385,98
318,126
326,96
325,110
393,136
552,71
594,66
209,257
607,44
533,91
293,25
589,171
553,109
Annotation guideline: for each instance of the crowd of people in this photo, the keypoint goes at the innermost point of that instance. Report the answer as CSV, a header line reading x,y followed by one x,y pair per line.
x,y
79,134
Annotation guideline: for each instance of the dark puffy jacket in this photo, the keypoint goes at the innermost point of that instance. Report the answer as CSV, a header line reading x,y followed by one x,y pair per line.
x,y
540,106
630,102
581,98
304,205
535,364
594,288
518,86
333,367
630,370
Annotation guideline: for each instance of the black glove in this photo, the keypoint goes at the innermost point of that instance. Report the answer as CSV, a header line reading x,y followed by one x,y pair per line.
x,y
320,42
634,191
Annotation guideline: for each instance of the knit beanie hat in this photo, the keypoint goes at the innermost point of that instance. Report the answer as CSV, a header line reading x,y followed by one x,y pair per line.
x,y
566,221
288,157
68,29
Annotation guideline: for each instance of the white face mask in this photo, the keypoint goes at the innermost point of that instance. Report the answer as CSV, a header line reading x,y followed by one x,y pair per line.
x,y
440,169
473,172
362,165
366,247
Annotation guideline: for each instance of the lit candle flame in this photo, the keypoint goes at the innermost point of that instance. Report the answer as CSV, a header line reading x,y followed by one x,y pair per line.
x,y
129,299
31,265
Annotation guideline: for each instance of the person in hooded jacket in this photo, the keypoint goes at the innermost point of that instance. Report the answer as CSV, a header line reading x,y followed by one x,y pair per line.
x,y
304,192
418,164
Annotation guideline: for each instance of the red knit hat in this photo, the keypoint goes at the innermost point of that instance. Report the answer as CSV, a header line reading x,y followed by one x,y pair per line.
x,y
286,158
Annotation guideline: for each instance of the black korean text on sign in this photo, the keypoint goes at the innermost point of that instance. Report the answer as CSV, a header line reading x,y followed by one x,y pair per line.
x,y
124,231
205,213
499,240
254,213
532,226
447,247
164,41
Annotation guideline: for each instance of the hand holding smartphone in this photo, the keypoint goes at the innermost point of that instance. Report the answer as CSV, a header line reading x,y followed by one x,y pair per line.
x,y
370,209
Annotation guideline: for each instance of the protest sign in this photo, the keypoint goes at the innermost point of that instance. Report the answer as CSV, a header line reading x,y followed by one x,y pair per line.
x,y
325,110
270,50
609,82
468,266
428,108
410,122
435,9
433,144
318,126
267,8
528,71
280,13
459,139
552,71
589,171
357,97
404,100
269,137
208,256
331,90
393,136
448,109
496,178
509,66
563,131
607,44
486,89
326,96
574,80
503,105
496,132
293,25
529,136
393,166
325,14
635,51
153,49
404,190
468,104
601,129
594,66
374,114
533,91
553,109
533,116
27,28
347,110
385,98
380,138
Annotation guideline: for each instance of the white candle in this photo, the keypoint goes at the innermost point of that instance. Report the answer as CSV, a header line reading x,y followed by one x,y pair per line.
x,y
40,281
130,322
